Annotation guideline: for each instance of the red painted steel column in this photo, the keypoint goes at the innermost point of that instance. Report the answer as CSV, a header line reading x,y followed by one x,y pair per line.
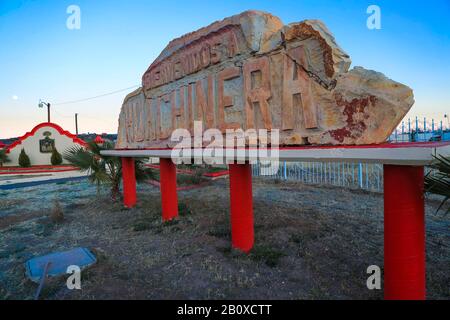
x,y
242,232
169,197
129,182
404,233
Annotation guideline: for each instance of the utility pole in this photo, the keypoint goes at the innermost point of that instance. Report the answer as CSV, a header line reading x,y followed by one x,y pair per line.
x,y
76,124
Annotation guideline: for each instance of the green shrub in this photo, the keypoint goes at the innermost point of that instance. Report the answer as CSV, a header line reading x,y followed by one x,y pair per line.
x,y
56,158
3,157
24,159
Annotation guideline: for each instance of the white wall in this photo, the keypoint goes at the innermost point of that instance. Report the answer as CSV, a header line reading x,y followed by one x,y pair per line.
x,y
32,149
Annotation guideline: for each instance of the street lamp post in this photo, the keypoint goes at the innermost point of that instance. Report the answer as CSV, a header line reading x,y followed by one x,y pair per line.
x,y
76,124
42,104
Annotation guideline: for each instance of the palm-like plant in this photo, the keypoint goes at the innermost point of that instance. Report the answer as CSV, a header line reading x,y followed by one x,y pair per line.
x,y
437,181
3,157
102,170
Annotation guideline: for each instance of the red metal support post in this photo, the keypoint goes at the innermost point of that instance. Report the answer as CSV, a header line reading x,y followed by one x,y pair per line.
x,y
242,229
168,183
129,182
404,233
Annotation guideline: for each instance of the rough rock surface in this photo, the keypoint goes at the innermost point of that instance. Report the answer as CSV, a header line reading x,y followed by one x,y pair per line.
x,y
250,71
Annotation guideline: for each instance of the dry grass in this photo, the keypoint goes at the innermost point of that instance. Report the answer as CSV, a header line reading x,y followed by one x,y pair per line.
x,y
310,243
57,215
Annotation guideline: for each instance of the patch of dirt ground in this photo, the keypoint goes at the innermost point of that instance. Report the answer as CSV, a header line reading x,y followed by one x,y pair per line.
x,y
310,243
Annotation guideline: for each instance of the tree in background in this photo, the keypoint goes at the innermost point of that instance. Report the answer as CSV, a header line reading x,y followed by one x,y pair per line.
x,y
24,159
102,170
3,157
437,181
56,158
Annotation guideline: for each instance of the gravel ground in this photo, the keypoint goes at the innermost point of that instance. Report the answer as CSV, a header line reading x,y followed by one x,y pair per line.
x,y
311,243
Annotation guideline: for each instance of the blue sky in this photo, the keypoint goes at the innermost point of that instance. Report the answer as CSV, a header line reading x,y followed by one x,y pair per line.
x,y
41,58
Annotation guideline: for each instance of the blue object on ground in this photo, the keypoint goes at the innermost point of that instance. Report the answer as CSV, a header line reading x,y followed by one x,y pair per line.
x,y
60,261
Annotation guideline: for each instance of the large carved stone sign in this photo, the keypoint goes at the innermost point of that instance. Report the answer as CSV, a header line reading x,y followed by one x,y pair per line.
x,y
250,71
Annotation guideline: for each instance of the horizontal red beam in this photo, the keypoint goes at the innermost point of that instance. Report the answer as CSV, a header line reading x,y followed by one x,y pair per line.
x,y
34,170
36,167
217,174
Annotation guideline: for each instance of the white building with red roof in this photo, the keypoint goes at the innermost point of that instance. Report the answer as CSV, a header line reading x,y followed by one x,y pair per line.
x,y
40,142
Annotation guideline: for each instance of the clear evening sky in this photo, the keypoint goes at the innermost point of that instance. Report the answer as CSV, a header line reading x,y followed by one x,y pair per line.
x,y
41,58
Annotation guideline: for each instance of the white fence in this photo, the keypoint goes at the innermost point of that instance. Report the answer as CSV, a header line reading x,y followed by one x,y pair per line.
x,y
365,176
350,175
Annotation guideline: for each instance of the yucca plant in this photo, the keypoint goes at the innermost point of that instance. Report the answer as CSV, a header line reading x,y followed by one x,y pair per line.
x,y
437,181
3,157
102,170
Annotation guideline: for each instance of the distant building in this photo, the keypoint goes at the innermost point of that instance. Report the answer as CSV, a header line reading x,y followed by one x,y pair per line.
x,y
99,140
40,142
92,136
